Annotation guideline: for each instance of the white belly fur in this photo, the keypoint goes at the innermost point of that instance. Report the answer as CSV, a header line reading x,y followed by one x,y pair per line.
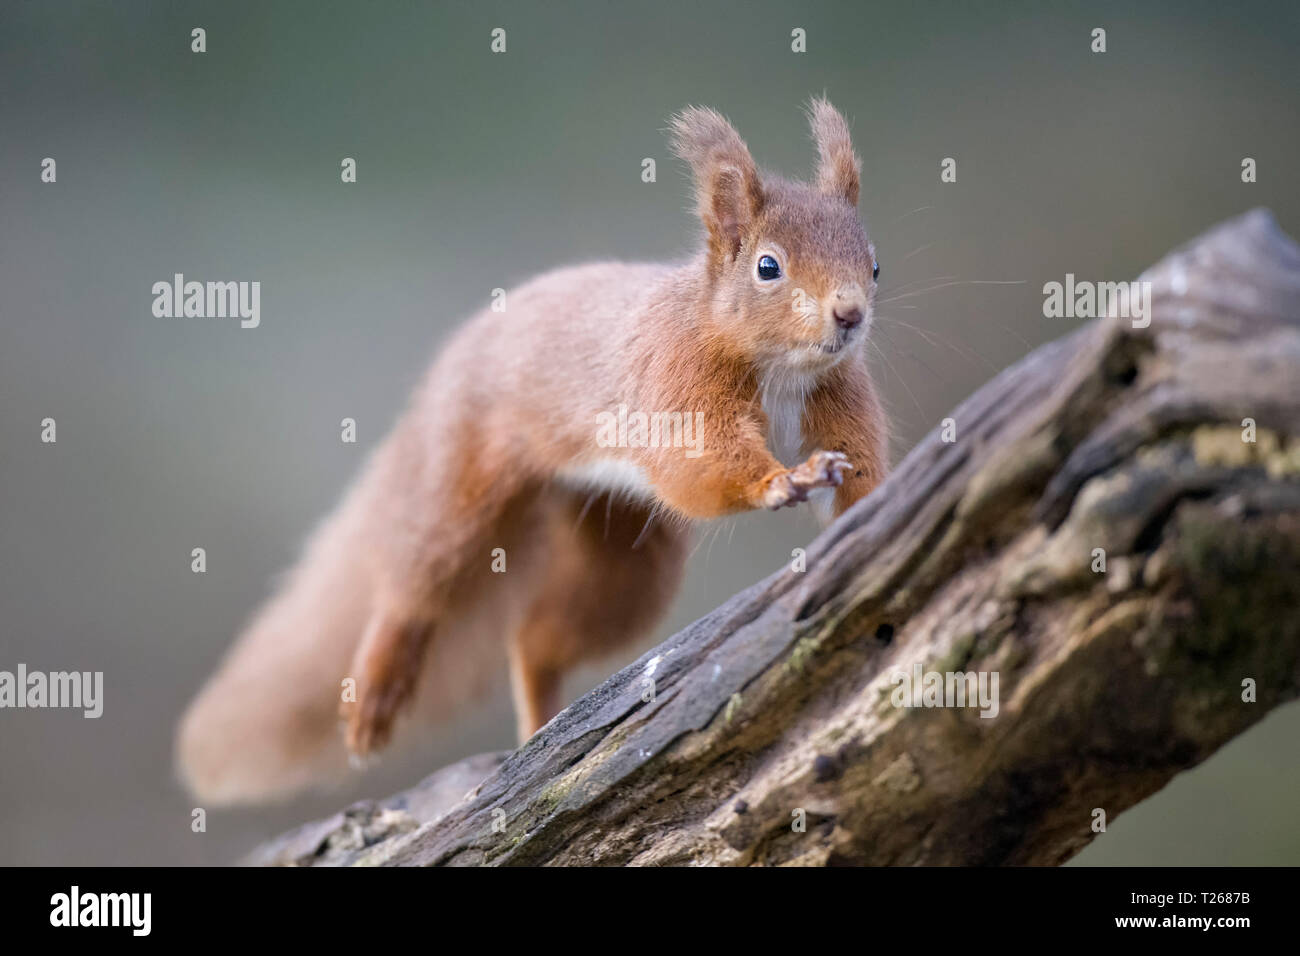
x,y
608,474
783,399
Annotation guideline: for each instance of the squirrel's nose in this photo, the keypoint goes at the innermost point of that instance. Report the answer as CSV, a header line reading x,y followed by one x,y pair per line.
x,y
847,316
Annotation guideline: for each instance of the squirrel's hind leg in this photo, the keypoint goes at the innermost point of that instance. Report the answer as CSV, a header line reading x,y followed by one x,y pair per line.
x,y
389,660
604,572
425,546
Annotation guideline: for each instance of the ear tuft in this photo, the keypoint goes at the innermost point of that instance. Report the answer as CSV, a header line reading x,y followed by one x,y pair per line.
x,y
838,167
700,134
728,190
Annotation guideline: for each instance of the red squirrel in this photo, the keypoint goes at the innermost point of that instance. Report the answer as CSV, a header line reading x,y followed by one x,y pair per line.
x,y
758,340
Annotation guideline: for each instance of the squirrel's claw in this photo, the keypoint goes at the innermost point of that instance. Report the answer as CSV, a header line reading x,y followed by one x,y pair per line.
x,y
823,469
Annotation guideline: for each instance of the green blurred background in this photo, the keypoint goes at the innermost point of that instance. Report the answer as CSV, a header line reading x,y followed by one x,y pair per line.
x,y
476,171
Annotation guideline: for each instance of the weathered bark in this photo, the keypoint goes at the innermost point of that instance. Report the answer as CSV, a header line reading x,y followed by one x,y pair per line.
x,y
977,555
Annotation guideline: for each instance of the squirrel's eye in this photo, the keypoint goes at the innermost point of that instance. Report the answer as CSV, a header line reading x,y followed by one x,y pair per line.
x,y
875,270
768,269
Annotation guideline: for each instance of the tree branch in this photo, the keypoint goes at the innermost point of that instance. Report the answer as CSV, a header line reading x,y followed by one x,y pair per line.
x,y
977,555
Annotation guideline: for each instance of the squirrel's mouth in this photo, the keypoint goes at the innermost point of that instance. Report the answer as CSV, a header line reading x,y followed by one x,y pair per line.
x,y
827,348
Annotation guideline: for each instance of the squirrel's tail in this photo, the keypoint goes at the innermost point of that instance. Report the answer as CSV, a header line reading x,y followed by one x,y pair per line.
x,y
267,723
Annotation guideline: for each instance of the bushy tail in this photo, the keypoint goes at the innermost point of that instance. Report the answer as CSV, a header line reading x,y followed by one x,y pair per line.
x,y
267,723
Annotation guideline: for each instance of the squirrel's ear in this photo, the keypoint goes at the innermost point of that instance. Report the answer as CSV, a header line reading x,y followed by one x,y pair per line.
x,y
838,167
727,185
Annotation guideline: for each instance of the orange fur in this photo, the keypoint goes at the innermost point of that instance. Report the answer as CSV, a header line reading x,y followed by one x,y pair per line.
x,y
499,449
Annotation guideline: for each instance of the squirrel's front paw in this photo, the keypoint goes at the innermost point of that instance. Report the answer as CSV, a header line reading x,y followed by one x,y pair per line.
x,y
823,469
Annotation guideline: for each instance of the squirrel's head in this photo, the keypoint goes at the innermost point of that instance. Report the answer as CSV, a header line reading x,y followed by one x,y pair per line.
x,y
791,271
